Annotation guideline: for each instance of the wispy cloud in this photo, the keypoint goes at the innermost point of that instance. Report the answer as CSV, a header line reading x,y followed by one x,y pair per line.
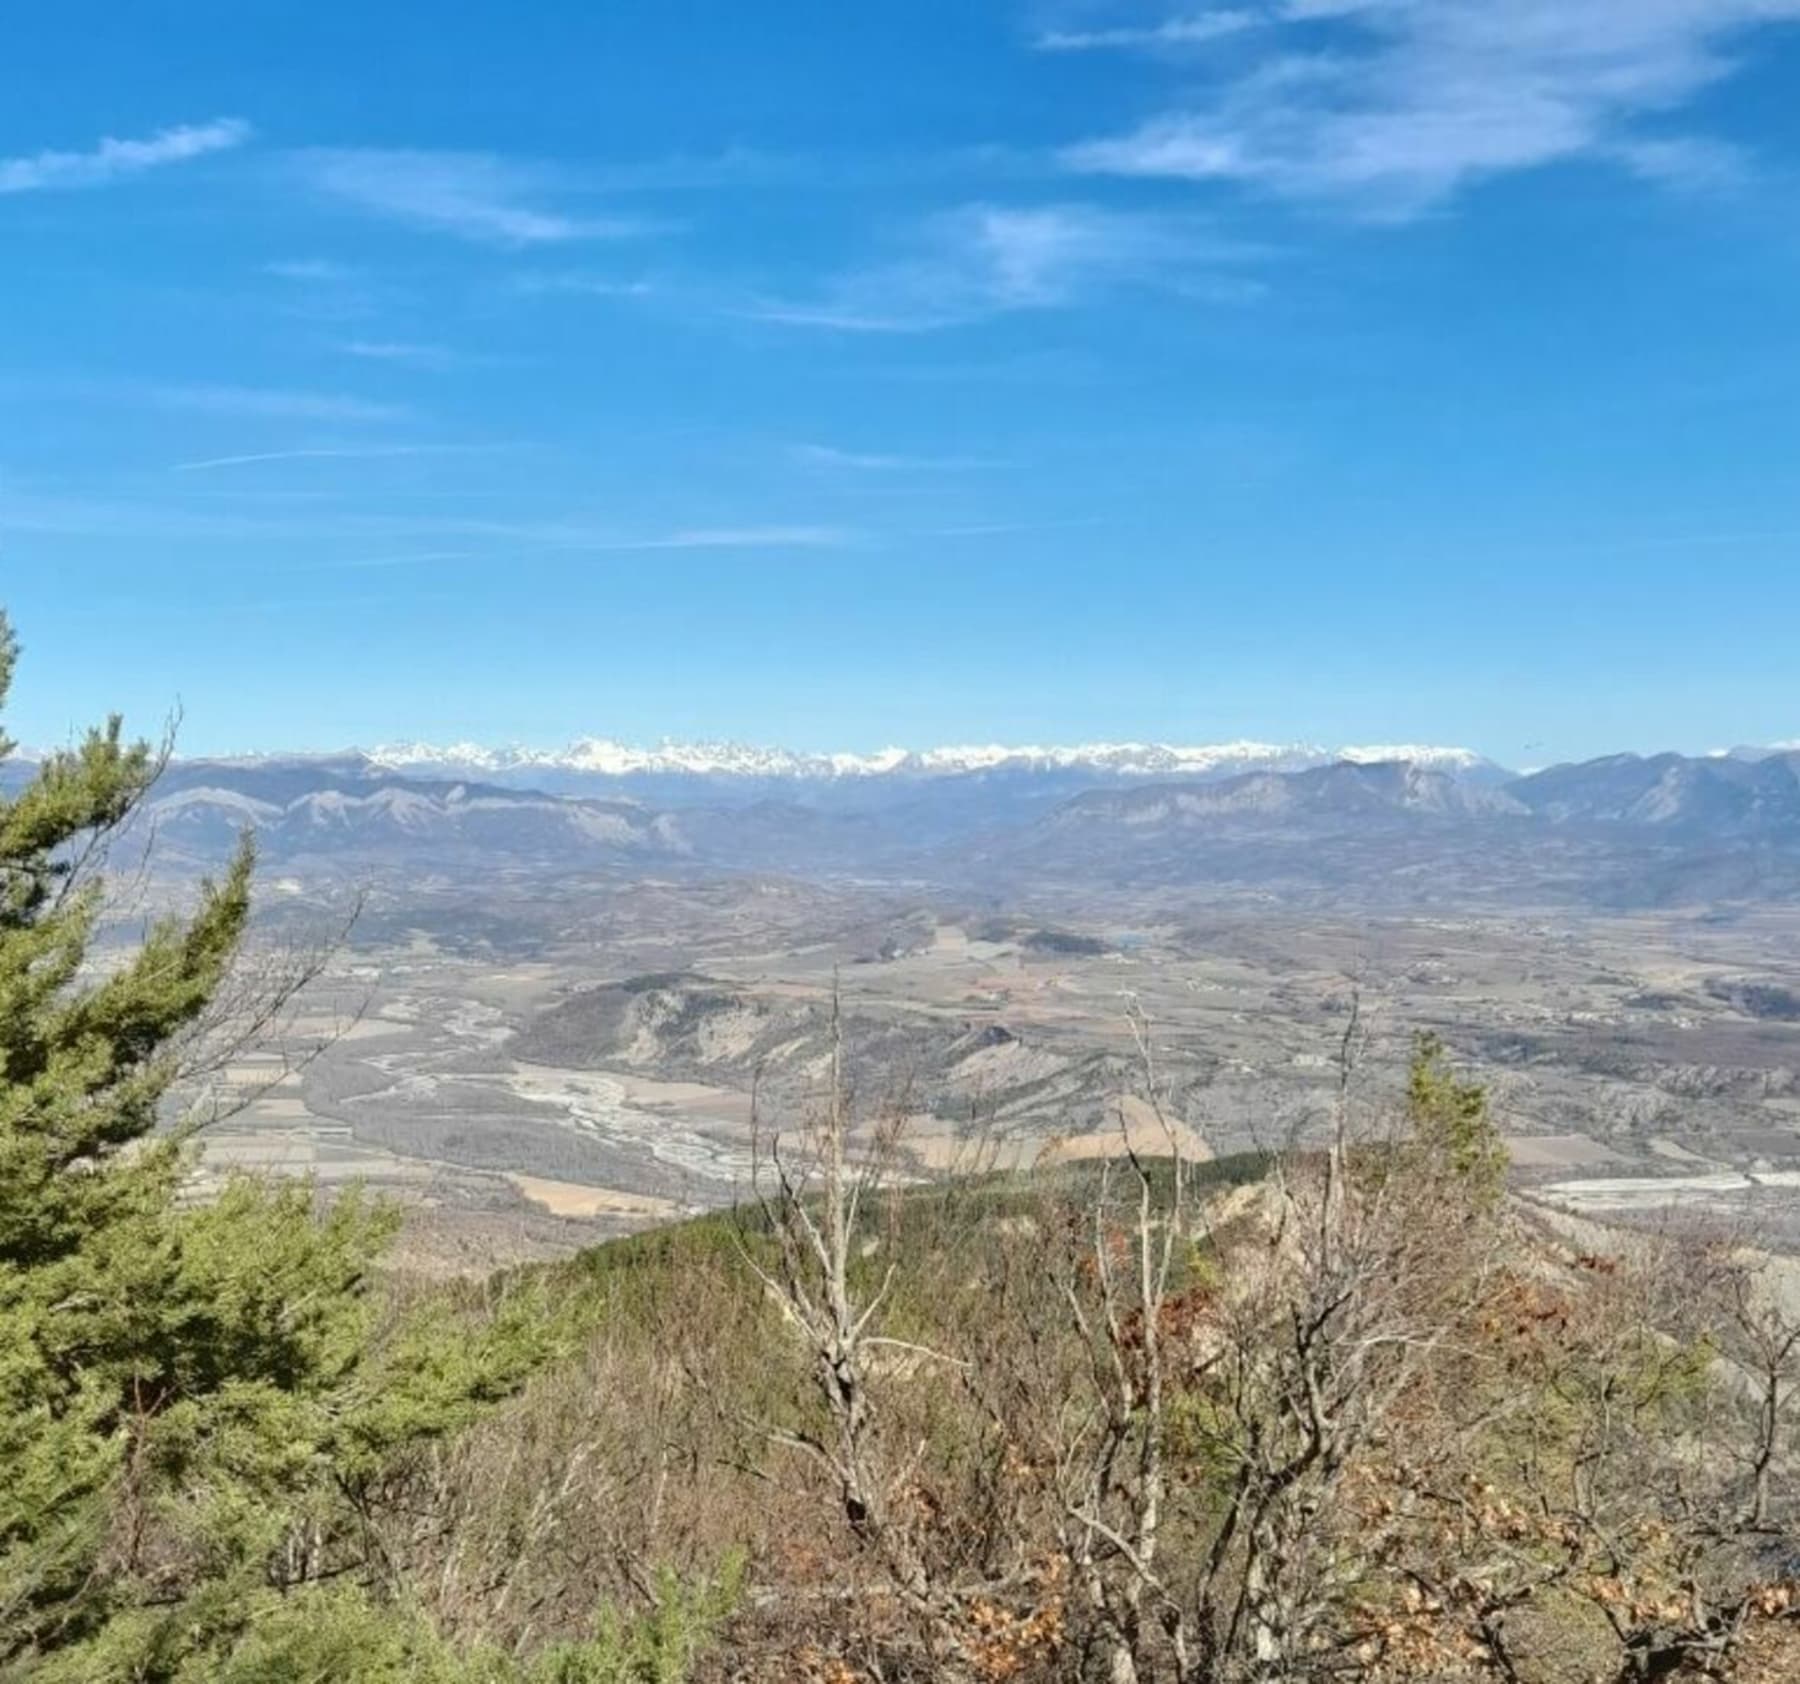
x,y
583,537
1390,107
116,160
327,453
581,286
381,539
1195,30
274,403
1687,163
380,563
880,462
988,260
1002,528
471,195
326,290
580,536
269,402
729,538
400,351
311,269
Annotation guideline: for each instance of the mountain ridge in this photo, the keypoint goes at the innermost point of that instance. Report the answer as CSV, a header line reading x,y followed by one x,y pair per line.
x,y
1621,829
606,757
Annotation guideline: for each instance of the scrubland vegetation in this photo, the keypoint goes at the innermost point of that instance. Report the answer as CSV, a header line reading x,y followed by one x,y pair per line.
x,y
1348,1412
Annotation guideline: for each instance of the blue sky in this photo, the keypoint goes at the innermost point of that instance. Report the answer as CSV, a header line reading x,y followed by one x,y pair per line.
x,y
946,370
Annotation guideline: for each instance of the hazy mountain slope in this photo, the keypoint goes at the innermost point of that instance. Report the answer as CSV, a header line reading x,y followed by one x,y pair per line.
x,y
1388,791
1617,832
349,812
1718,795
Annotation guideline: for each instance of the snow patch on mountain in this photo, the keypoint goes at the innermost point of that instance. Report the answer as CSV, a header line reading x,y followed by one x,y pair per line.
x,y
604,757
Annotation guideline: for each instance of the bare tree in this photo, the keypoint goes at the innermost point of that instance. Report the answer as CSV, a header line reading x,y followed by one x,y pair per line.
x,y
812,1196
1759,1333
1113,1474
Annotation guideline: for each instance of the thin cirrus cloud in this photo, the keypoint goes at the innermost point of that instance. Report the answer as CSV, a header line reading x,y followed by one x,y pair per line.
x,y
274,403
576,537
742,538
469,195
117,160
878,462
327,453
372,563
310,269
1389,108
439,538
257,402
1191,30
987,260
405,352
580,286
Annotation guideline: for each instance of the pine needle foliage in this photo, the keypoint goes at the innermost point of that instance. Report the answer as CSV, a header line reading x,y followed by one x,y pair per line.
x,y
196,1401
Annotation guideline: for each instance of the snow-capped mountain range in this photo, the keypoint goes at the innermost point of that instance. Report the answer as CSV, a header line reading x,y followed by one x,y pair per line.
x,y
601,757
1622,830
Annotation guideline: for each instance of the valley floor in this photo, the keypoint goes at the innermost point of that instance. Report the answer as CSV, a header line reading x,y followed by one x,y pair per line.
x,y
523,1107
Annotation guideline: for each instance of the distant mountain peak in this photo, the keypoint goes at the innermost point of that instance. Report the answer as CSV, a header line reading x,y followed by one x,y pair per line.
x,y
605,757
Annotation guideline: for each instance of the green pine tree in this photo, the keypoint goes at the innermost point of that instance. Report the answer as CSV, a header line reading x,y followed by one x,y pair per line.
x,y
1450,1119
86,1247
195,1401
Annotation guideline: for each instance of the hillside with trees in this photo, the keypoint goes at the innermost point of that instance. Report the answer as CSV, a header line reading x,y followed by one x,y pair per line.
x,y
1352,1411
